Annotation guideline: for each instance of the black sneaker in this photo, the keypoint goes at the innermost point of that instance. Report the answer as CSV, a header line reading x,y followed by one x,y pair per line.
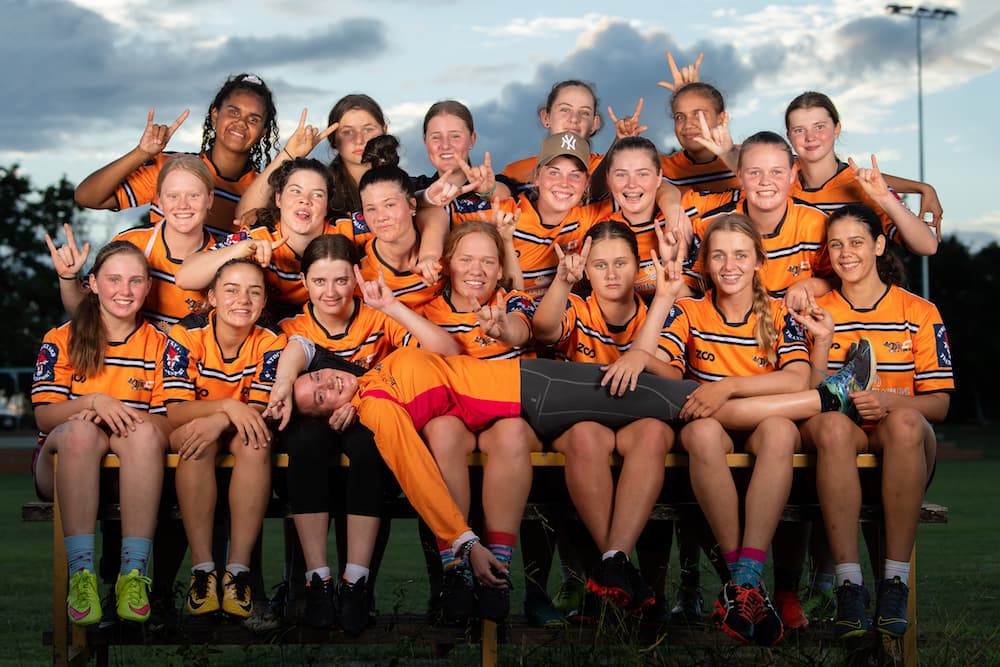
x,y
690,607
768,629
279,601
353,606
458,595
890,607
494,603
611,580
642,593
657,614
852,611
737,609
319,602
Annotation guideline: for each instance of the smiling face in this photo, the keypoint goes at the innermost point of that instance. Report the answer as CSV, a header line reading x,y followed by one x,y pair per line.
x,y
688,108
330,283
319,393
572,111
184,200
448,139
303,203
388,211
853,251
357,126
238,295
475,268
812,133
121,286
766,176
732,262
239,121
633,179
611,269
561,184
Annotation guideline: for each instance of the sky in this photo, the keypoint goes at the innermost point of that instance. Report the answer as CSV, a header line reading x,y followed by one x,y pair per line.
x,y
80,75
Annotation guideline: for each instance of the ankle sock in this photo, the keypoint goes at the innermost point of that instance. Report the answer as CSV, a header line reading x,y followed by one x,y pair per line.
x,y
323,572
848,572
355,573
749,567
897,568
501,545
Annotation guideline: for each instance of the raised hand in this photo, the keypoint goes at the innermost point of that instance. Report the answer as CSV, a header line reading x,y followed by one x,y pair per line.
x,y
628,126
870,180
571,267
493,319
930,204
669,276
68,259
263,249
505,222
682,76
155,137
306,137
481,174
442,191
716,139
376,293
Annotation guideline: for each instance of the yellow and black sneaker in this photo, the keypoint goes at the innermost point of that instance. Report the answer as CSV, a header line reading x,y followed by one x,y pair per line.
x,y
237,594
203,595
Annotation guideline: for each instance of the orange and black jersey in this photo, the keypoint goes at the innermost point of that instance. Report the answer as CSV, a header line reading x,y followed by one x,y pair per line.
x,y
464,327
705,347
909,341
687,175
584,335
354,227
842,189
166,303
796,249
139,189
369,336
129,373
194,367
645,236
408,287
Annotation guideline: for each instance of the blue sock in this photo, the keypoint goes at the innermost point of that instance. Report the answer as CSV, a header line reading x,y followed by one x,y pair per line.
x,y
79,552
748,572
135,554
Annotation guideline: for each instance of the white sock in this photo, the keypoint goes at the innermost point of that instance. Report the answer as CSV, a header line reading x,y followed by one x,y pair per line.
x,y
849,572
323,572
355,573
610,554
236,568
897,568
208,566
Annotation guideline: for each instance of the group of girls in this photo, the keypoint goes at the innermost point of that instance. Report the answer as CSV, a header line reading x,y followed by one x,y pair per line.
x,y
360,258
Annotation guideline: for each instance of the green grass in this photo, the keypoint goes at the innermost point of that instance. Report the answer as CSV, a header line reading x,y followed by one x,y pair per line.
x,y
957,571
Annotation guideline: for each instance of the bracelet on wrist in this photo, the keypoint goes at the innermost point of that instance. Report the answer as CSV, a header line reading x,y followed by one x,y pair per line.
x,y
285,151
487,195
463,551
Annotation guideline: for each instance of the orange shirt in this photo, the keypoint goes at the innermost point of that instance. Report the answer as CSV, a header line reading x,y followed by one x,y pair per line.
x,y
408,287
370,334
354,228
166,303
464,327
194,367
139,189
843,189
705,347
687,175
585,336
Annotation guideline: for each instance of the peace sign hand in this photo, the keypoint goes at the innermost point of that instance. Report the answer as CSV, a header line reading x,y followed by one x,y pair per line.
x,y
306,137
493,319
570,269
683,76
870,180
716,139
628,126
155,137
68,259
376,293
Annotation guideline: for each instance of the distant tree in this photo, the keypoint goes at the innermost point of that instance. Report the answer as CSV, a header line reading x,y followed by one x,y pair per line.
x,y
29,294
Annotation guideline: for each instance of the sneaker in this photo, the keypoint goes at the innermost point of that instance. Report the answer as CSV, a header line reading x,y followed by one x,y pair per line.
x,y
319,602
109,611
279,601
163,617
203,595
769,628
690,607
852,611
642,593
855,375
541,613
790,610
237,594
611,580
353,606
569,596
458,595
590,610
819,605
494,602
736,611
657,614
83,605
890,607
132,593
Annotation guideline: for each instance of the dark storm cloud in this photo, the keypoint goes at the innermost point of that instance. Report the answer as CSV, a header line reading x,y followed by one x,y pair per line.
x,y
69,70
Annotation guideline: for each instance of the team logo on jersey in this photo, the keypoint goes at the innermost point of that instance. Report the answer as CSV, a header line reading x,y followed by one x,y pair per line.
x,y
792,331
671,316
522,304
197,306
943,348
45,364
359,224
761,362
269,371
893,346
232,239
140,385
175,360
470,204
484,341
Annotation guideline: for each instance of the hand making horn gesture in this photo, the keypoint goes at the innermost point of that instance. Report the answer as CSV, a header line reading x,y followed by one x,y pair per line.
x,y
716,139
493,319
376,293
870,180
155,137
571,266
505,222
482,174
682,76
628,126
68,259
306,137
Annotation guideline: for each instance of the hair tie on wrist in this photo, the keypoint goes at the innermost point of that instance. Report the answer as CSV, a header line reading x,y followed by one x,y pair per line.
x,y
487,195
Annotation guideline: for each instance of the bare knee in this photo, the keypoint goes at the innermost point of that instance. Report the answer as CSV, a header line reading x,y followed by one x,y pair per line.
x,y
833,433
145,441
77,437
587,440
646,437
774,438
704,440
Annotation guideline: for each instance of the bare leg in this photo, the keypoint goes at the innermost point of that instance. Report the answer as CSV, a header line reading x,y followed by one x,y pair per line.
x,y
80,446
312,529
196,496
588,476
140,481
707,444
772,443
450,442
643,445
361,534
507,477
745,414
249,492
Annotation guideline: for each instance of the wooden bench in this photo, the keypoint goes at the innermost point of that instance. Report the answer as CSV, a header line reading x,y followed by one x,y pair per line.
x,y
73,645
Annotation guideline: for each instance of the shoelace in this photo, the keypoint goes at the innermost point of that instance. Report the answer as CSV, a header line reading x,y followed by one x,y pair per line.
x,y
242,585
200,584
134,592
748,604
85,586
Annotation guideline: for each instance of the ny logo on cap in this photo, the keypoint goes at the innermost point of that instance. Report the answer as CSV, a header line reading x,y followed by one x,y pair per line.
x,y
569,142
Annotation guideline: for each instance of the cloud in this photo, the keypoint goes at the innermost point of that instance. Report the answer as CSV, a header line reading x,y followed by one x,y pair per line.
x,y
545,25
92,68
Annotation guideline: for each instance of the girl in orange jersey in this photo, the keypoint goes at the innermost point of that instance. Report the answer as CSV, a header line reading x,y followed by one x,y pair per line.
x,y
96,389
184,196
599,329
813,126
238,134
490,321
217,372
913,358
298,212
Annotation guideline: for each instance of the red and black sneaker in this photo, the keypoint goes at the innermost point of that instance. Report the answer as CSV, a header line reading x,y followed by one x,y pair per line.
x,y
736,611
611,580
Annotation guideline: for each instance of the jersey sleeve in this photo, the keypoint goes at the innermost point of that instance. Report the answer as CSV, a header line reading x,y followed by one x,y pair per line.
x,y
53,374
792,344
520,305
267,368
180,365
139,187
673,337
932,353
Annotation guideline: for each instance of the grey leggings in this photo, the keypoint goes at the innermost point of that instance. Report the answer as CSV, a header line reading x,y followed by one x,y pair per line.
x,y
555,395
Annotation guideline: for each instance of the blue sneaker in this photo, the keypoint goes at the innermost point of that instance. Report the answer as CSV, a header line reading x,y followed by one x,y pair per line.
x,y
857,374
890,607
852,611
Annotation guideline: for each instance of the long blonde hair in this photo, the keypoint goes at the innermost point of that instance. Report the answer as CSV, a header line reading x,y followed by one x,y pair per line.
x,y
764,330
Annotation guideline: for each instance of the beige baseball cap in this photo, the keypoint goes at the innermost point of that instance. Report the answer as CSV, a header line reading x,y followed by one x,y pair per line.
x,y
564,143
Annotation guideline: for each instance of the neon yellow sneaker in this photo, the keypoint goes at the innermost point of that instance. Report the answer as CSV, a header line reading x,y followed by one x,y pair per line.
x,y
132,594
83,605
203,595
237,595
